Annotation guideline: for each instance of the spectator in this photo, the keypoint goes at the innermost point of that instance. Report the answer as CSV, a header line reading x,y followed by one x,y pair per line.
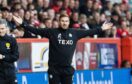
x,y
115,19
116,9
76,25
5,12
34,12
46,5
66,6
21,13
17,6
63,11
72,5
39,5
24,4
130,29
124,7
51,13
104,18
55,24
125,64
96,22
77,3
96,7
124,30
107,7
31,6
30,1
57,6
48,23
83,21
74,18
108,15
43,15
11,24
27,17
129,16
87,8
57,15
111,33
4,3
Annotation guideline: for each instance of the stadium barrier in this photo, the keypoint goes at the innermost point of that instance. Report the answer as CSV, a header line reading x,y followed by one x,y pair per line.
x,y
113,76
126,48
90,53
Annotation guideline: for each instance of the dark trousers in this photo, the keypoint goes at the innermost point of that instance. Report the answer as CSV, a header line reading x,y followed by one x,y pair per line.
x,y
7,76
60,75
3,81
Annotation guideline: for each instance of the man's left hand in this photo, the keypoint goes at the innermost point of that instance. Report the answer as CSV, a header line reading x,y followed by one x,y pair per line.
x,y
106,26
1,56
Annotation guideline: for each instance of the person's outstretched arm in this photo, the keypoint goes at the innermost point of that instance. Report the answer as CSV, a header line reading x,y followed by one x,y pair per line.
x,y
38,31
83,33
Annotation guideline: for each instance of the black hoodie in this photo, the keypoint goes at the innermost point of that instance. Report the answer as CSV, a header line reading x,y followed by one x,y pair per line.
x,y
8,48
62,42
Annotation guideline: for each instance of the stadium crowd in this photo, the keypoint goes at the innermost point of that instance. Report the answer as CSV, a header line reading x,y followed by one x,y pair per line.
x,y
45,14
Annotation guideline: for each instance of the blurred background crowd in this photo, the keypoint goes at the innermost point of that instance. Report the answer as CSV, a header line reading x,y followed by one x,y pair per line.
x,y
84,14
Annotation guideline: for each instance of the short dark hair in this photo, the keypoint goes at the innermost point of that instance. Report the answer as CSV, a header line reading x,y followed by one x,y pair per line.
x,y
4,9
46,19
124,62
63,15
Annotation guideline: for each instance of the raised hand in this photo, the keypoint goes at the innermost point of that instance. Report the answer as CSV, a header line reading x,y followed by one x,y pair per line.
x,y
106,26
2,56
18,20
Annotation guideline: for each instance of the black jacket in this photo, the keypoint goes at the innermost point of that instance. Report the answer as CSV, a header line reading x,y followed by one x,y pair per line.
x,y
8,48
62,42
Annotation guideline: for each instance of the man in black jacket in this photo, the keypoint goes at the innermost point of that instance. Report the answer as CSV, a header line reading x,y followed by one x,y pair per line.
x,y
8,55
61,48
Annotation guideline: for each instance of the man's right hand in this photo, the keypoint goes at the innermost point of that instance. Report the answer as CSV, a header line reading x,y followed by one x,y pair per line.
x,y
1,56
18,20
